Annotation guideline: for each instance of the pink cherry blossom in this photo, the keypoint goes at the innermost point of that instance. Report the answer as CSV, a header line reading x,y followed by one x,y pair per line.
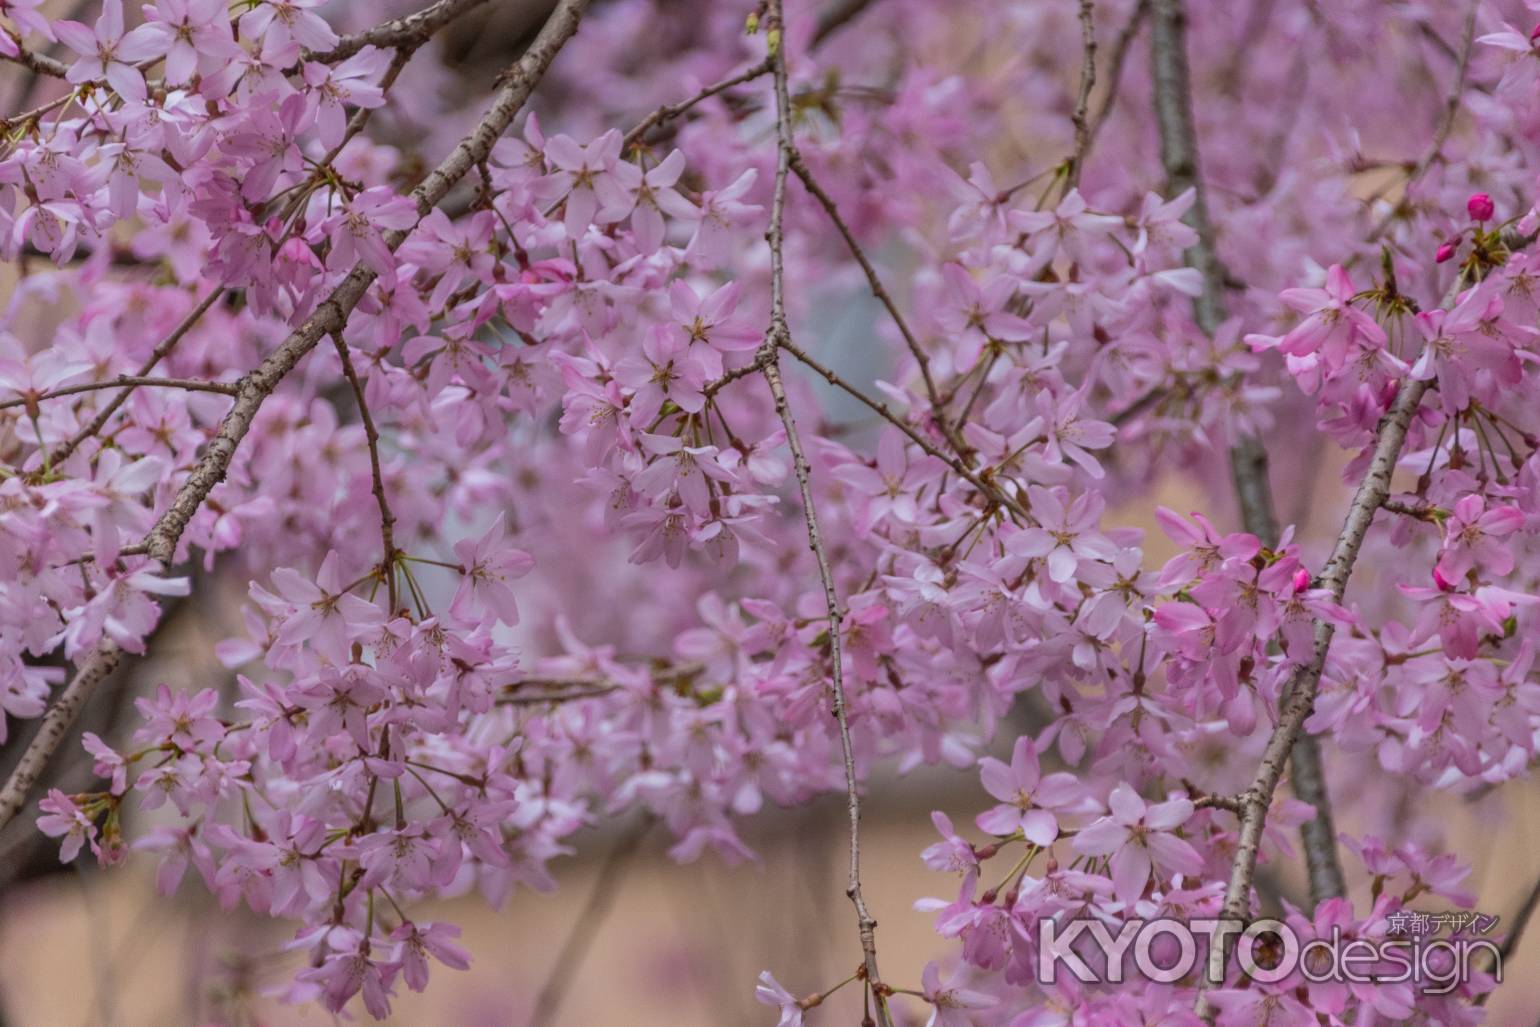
x,y
107,52
62,818
1473,536
776,410
486,567
1030,799
1138,837
586,180
951,1003
195,33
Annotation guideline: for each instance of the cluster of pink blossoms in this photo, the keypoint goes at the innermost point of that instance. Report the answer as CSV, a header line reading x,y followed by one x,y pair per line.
x,y
551,387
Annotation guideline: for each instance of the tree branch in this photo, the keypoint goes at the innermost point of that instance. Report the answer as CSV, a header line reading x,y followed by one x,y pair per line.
x,y
1248,455
995,495
158,354
187,384
411,30
39,63
1299,696
372,435
778,335
329,317
1120,49
1083,101
878,290
836,17
668,112
1520,921
1445,124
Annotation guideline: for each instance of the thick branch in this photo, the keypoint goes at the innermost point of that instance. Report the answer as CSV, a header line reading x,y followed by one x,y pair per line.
x,y
1301,691
412,30
40,63
1179,152
1248,456
329,317
1516,932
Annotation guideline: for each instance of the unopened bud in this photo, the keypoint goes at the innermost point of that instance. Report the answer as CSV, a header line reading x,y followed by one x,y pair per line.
x,y
1480,207
1445,251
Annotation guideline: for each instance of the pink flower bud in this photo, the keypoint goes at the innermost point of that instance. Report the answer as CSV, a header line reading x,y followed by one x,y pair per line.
x,y
1443,583
1480,207
1301,580
1534,33
1445,251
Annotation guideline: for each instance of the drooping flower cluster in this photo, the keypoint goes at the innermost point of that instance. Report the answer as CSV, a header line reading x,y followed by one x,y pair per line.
x,y
551,388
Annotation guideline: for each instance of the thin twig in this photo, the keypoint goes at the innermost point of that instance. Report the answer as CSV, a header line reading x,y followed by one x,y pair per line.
x,y
329,317
571,695
75,13
881,409
361,116
158,354
836,17
35,116
1083,101
779,334
873,281
187,384
1445,124
1120,49
372,435
668,112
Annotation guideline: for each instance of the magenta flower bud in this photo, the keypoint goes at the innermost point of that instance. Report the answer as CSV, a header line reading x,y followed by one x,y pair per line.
x,y
1445,251
1480,207
1301,580
1534,32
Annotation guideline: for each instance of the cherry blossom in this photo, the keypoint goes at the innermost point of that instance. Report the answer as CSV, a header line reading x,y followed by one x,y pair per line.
x,y
107,51
1138,837
1030,799
783,408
